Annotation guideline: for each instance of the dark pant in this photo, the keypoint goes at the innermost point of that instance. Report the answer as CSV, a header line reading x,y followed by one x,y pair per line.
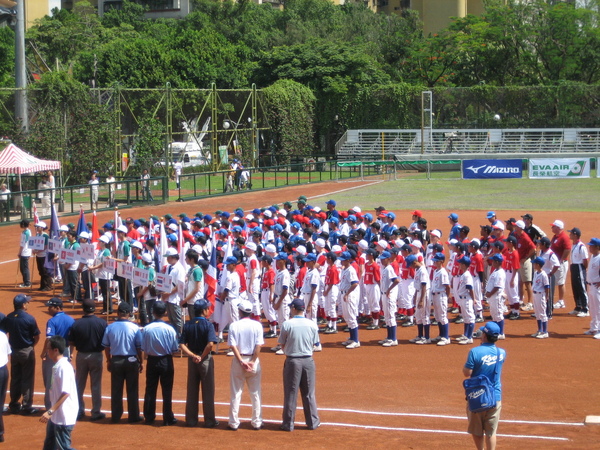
x,y
159,369
124,370
146,308
22,371
3,386
89,363
299,373
106,300
550,303
45,278
70,283
4,211
24,268
87,279
200,373
58,437
125,290
578,273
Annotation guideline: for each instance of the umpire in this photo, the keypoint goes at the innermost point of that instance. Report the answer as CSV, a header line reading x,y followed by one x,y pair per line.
x,y
23,335
123,348
86,336
197,341
298,337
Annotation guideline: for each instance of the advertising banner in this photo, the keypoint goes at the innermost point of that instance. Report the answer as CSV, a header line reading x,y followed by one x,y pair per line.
x,y
559,168
492,168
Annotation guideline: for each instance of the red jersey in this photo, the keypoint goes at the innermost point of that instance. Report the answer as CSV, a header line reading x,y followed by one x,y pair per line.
x,y
559,243
355,265
476,264
511,260
300,277
524,245
268,279
241,271
332,276
455,270
372,273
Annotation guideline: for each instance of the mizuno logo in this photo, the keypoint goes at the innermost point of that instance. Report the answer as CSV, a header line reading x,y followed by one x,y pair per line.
x,y
493,169
475,169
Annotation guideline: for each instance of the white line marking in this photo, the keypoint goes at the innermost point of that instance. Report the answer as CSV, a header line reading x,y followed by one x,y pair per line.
x,y
9,261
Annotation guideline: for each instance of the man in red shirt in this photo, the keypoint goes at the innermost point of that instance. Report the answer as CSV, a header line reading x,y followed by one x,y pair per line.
x,y
526,249
511,267
132,233
561,245
371,283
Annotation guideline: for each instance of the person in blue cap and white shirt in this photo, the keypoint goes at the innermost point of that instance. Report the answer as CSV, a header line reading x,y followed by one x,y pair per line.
x,y
440,291
422,300
465,294
310,286
389,296
541,293
593,283
494,290
349,290
488,360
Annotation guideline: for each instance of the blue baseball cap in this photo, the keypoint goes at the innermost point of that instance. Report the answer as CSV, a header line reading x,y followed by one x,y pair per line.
x,y
345,256
21,299
237,229
453,216
282,256
539,260
391,215
465,260
231,260
385,255
410,260
310,257
201,305
351,217
298,304
491,214
331,202
439,256
296,225
256,211
595,242
222,232
108,226
368,216
497,257
207,217
491,329
333,220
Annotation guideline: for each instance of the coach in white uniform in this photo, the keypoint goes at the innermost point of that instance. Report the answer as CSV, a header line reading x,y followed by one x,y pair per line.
x,y
245,340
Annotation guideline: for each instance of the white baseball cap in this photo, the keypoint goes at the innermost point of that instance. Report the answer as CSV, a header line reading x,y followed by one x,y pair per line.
x,y
137,244
64,228
436,232
41,224
336,249
122,229
173,227
363,245
104,239
520,224
245,306
171,252
268,213
320,242
498,226
251,246
356,209
301,249
416,244
558,223
270,248
84,235
383,243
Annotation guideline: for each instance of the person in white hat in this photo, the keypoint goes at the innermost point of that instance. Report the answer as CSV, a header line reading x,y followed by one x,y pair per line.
x,y
123,255
40,258
103,273
245,339
87,277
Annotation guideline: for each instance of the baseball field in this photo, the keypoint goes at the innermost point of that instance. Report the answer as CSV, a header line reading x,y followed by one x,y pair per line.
x,y
408,396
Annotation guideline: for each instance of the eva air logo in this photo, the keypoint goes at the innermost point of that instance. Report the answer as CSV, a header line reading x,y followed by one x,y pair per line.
x,y
577,169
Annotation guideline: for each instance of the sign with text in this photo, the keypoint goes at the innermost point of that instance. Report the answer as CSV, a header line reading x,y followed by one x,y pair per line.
x,y
37,242
492,168
559,168
140,276
110,265
54,245
163,282
67,256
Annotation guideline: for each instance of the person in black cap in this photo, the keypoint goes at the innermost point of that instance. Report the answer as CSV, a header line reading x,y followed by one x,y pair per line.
x,y
197,341
298,337
122,343
23,335
59,325
86,336
579,263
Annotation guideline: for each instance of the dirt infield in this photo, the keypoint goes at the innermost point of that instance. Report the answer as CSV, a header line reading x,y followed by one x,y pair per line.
x,y
401,397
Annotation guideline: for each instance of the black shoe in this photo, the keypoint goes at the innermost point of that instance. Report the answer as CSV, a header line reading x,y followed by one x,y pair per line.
x,y
29,411
98,417
9,410
214,424
149,422
115,419
283,428
170,423
135,419
80,416
270,335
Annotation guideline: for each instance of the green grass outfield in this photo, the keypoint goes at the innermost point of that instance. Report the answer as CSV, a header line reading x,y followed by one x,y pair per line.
x,y
444,192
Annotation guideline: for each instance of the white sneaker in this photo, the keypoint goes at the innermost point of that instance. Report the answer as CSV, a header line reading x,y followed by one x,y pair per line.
x,y
501,337
390,343
423,341
462,337
592,332
597,336
436,339
444,341
353,345
536,334
348,342
466,341
382,341
583,314
230,353
574,312
542,336
528,307
279,352
414,340
275,349
559,304
317,348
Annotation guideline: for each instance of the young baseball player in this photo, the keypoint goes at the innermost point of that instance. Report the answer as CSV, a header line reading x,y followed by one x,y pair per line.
x,y
494,291
267,290
407,286
440,289
349,298
541,290
310,286
511,265
280,294
477,272
593,280
389,295
253,278
422,300
371,281
331,292
465,296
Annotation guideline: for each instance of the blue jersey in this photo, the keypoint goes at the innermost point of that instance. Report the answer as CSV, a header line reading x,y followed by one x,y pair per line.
x,y
483,360
60,325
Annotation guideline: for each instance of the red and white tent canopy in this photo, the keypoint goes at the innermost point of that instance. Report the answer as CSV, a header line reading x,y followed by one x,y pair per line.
x,y
15,160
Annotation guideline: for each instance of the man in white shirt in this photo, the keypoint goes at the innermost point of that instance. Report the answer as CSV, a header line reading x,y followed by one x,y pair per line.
x,y
245,340
62,415
494,290
173,297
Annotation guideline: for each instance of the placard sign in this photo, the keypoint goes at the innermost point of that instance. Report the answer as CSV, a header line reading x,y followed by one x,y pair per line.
x,y
54,245
163,282
67,256
140,276
110,265
37,242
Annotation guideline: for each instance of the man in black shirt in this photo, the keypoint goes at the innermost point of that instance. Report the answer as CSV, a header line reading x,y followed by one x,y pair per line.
x,y
196,341
23,335
86,335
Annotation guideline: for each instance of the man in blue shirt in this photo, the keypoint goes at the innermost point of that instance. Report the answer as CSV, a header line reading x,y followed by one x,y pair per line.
x,y
487,359
23,335
159,342
59,325
122,343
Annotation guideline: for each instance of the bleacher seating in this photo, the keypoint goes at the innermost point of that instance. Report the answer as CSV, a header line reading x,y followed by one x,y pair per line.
x,y
370,145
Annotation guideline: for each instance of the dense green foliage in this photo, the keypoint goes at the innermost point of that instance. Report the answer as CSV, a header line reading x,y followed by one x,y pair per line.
x,y
356,68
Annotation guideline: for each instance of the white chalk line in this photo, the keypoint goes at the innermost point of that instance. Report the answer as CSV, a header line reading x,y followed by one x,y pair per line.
x,y
378,427
9,261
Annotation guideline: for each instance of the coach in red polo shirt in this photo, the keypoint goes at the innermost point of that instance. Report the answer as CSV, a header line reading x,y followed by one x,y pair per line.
x,y
526,249
561,245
